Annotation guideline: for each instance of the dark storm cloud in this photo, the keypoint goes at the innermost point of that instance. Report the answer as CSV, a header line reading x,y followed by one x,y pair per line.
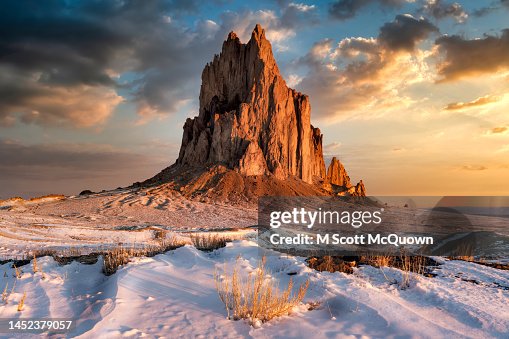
x,y
440,9
347,9
68,44
83,46
465,57
404,32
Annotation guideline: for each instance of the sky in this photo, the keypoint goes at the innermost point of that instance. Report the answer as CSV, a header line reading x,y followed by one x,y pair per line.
x,y
412,96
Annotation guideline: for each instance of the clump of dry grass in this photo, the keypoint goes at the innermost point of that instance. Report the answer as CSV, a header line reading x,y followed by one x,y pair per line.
x,y
209,242
407,263
159,234
17,272
331,264
379,260
464,252
21,303
43,253
120,255
411,266
256,297
116,257
469,258
5,294
34,265
164,245
71,252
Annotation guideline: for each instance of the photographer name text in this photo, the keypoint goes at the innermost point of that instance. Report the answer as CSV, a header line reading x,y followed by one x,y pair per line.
x,y
358,239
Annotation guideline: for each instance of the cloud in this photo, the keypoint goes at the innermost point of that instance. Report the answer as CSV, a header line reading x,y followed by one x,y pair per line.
x,y
31,102
464,58
141,51
347,9
301,7
498,130
331,149
279,26
83,157
359,74
487,99
405,32
293,80
68,168
440,9
504,149
480,12
474,168
483,11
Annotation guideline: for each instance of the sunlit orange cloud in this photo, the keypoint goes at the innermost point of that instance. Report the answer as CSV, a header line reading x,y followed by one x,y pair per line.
x,y
498,130
80,106
487,99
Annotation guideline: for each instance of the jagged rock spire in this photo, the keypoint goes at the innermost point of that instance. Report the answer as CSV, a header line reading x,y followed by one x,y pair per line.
x,y
251,121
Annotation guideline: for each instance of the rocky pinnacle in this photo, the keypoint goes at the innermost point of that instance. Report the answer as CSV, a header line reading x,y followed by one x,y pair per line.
x,y
250,121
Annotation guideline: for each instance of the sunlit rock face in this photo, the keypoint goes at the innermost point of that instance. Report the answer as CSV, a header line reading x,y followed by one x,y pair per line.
x,y
250,121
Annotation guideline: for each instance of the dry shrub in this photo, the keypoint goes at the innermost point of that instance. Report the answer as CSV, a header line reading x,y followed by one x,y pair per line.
x,y
256,297
209,242
331,264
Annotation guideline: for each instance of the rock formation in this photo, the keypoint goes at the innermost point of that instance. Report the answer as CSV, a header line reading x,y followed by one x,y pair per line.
x,y
336,174
251,122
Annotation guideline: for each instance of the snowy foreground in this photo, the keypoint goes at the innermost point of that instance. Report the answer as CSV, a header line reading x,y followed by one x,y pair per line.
x,y
173,295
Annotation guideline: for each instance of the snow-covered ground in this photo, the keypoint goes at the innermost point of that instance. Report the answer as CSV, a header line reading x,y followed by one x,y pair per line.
x,y
173,295
102,220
